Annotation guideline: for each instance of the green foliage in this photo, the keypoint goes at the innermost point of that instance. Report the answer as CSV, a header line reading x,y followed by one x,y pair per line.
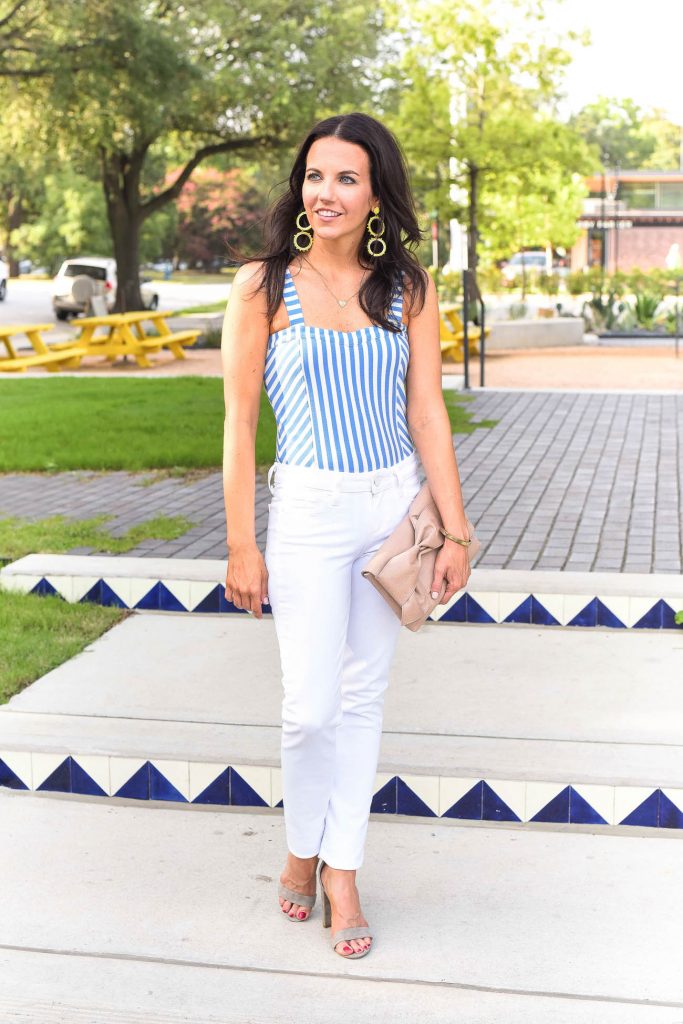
x,y
576,282
448,284
491,280
645,307
516,169
614,129
549,284
41,632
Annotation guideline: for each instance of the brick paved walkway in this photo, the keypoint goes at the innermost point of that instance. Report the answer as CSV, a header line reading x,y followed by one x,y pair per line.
x,y
566,480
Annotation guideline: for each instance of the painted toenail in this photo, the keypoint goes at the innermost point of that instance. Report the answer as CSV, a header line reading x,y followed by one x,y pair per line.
x,y
347,949
302,915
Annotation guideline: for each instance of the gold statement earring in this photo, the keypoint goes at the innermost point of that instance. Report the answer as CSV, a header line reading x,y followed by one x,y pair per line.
x,y
305,230
375,234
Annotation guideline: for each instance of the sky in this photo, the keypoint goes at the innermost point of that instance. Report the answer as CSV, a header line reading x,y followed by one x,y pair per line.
x,y
635,51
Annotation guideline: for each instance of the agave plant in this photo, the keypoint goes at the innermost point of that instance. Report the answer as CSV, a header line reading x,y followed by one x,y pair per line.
x,y
645,308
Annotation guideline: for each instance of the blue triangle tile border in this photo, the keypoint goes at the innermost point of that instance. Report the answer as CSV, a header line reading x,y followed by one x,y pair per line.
x,y
480,802
530,610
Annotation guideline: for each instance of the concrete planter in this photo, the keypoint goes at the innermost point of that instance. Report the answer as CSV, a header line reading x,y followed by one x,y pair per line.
x,y
535,333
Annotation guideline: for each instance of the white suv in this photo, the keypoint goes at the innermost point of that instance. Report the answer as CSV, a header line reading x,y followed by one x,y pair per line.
x,y
80,280
4,274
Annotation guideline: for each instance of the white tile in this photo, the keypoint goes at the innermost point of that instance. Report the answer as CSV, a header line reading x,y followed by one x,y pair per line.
x,y
43,765
627,798
426,787
64,585
553,603
121,769
177,773
19,762
381,779
20,584
538,795
675,796
508,601
601,799
275,786
619,606
81,586
258,777
199,589
181,590
572,604
451,789
139,588
202,774
121,587
511,792
674,603
489,600
97,767
638,607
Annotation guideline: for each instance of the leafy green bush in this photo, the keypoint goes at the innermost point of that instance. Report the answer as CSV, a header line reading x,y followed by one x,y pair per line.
x,y
549,284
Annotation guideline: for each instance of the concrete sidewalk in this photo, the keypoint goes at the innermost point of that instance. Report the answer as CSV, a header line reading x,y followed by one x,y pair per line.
x,y
489,722
114,914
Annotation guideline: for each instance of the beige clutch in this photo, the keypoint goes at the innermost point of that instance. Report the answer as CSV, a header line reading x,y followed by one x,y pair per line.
x,y
402,569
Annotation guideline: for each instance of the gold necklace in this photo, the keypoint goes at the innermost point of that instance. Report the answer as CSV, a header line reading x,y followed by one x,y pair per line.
x,y
341,302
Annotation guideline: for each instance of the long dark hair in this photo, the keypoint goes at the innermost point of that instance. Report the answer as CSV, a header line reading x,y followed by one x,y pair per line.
x,y
390,182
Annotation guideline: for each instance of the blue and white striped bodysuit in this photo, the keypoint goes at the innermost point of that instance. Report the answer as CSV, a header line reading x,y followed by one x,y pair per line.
x,y
338,397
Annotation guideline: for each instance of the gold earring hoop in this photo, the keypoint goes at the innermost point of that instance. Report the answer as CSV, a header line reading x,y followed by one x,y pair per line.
x,y
306,231
376,233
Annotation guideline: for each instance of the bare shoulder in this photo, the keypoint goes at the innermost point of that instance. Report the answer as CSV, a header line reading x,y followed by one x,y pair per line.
x,y
248,277
411,304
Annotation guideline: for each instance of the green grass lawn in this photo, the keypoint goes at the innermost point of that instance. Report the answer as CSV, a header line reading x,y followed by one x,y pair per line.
x,y
39,633
19,537
211,307
172,423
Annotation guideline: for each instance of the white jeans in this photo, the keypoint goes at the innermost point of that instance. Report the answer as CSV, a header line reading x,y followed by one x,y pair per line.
x,y
337,638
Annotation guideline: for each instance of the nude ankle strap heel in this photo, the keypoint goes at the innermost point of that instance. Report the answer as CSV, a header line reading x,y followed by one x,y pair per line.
x,y
362,931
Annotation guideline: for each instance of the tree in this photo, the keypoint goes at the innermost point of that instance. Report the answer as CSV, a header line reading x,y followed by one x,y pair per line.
x,y
479,116
207,77
615,129
215,207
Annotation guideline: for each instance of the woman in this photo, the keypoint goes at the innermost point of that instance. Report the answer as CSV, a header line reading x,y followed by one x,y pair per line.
x,y
341,323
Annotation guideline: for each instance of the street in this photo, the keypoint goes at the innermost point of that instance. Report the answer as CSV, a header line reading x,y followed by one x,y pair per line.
x,y
29,301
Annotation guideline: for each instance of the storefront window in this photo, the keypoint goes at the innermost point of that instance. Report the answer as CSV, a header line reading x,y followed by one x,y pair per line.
x,y
637,196
670,196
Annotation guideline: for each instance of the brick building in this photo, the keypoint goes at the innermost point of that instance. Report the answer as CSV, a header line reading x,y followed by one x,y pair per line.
x,y
630,220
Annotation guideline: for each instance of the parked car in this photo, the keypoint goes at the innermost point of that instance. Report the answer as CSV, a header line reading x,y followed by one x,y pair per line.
x,y
80,280
4,274
534,261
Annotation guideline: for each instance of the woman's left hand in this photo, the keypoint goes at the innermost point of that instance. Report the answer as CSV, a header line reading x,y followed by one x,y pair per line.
x,y
453,565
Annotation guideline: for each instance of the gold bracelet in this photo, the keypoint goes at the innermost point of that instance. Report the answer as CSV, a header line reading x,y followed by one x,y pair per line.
x,y
458,540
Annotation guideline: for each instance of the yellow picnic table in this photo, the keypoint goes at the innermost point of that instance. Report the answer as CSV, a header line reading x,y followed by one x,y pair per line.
x,y
63,355
452,334
124,335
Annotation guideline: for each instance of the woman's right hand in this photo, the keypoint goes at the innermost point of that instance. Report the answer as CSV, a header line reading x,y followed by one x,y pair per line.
x,y
246,583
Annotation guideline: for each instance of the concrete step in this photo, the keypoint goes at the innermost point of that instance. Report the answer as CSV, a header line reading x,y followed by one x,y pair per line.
x,y
488,723
114,914
541,598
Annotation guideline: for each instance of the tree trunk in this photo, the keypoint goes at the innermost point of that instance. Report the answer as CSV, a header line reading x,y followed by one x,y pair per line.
x,y
473,225
121,180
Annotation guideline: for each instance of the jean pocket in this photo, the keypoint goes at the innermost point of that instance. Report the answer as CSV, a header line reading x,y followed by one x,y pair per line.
x,y
409,488
307,503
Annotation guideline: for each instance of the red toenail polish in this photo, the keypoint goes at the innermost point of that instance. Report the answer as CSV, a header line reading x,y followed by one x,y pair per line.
x,y
347,949
302,915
